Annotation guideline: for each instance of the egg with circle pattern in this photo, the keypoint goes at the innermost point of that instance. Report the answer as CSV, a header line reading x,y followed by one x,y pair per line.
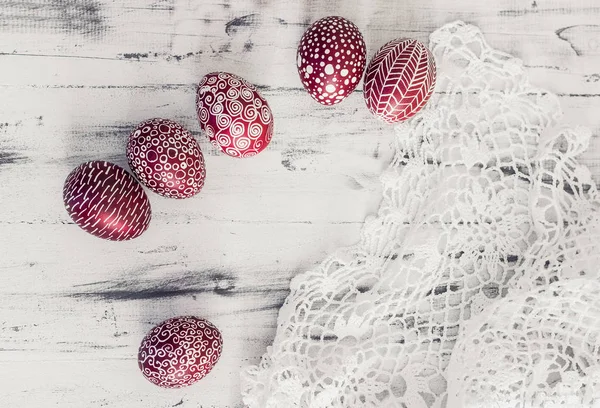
x,y
180,351
331,59
106,201
399,80
166,158
233,114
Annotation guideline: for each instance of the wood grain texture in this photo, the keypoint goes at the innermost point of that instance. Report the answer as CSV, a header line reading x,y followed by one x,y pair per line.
x,y
77,75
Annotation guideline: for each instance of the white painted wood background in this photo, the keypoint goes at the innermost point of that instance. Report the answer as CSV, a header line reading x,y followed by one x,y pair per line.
x,y
77,75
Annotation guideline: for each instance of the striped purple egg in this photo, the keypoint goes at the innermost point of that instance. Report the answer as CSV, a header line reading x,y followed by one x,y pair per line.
x,y
106,201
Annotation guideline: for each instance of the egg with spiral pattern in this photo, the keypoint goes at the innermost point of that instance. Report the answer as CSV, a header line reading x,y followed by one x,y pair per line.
x,y
106,201
165,157
399,80
233,114
180,351
331,59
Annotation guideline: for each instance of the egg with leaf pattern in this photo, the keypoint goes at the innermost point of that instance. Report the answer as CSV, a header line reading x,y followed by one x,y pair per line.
x,y
399,80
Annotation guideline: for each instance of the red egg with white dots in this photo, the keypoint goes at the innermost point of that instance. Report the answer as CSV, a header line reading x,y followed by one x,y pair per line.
x,y
106,201
331,59
180,351
166,158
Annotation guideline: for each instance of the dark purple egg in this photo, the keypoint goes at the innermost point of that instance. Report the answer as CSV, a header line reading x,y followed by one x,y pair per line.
x,y
106,201
331,59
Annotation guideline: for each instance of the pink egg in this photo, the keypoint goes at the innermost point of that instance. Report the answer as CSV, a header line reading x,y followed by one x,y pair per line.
x,y
166,158
234,116
106,201
180,351
399,80
331,59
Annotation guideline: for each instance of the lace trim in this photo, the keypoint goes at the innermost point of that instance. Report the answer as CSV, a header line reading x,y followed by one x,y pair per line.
x,y
476,282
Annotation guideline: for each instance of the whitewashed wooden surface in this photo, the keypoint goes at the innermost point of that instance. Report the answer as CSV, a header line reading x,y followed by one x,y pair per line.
x,y
77,75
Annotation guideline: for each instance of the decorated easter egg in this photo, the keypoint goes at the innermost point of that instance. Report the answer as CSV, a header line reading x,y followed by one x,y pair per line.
x,y
399,80
166,158
180,351
234,116
106,201
331,59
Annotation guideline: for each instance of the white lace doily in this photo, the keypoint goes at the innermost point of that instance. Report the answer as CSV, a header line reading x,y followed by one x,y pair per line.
x,y
476,284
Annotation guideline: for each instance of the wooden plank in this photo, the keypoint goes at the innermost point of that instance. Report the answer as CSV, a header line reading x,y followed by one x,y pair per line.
x,y
321,166
193,257
107,382
186,40
76,352
566,75
93,310
339,150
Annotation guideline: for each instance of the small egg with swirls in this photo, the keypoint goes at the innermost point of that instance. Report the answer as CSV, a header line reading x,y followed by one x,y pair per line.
x,y
233,114
180,351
